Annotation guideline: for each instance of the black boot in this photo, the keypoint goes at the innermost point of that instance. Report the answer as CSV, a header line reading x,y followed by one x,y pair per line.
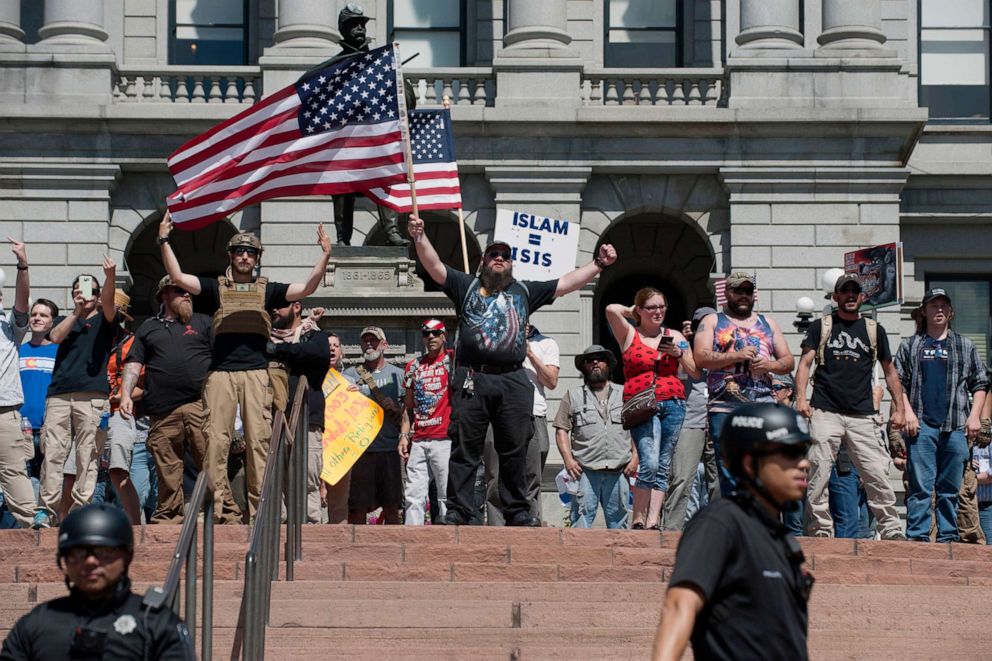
x,y
344,218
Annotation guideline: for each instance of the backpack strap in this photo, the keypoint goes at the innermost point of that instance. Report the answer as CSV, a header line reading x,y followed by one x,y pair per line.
x,y
826,326
872,327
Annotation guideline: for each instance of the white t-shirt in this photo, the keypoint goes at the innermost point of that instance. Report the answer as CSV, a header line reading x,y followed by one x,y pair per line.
x,y
547,350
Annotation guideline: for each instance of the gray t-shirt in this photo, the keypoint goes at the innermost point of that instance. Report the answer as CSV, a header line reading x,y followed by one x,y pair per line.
x,y
389,381
13,326
696,396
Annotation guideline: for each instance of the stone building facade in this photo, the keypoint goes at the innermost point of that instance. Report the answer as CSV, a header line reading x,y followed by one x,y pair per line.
x,y
762,135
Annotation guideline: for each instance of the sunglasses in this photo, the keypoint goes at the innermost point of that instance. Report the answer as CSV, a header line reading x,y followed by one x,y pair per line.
x,y
432,333
594,359
790,452
243,250
101,553
499,254
740,291
654,308
780,386
179,291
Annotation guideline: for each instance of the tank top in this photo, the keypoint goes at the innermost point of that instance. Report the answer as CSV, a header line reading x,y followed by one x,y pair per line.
x,y
733,385
641,367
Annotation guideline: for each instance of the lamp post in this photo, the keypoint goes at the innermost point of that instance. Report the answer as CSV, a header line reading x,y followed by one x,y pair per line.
x,y
804,316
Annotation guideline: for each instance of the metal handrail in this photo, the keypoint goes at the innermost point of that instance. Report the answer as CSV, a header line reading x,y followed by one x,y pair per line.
x,y
202,499
284,466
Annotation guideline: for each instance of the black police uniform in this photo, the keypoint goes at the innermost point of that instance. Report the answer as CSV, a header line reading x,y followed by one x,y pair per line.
x,y
119,628
749,570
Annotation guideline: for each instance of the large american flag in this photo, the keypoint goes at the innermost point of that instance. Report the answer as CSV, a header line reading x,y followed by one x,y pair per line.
x,y
335,131
434,168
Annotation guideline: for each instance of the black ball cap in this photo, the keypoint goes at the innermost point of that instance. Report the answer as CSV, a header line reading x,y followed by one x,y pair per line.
x,y
757,426
96,525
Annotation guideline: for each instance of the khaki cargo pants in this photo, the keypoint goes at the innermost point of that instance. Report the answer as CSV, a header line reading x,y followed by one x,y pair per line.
x,y
15,452
859,433
222,393
69,417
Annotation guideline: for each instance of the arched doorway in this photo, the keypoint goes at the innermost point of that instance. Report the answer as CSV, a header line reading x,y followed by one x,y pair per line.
x,y
200,252
670,254
442,230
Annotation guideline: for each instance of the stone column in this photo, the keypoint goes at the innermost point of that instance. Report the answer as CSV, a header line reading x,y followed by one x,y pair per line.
x,y
770,24
10,24
73,22
536,67
852,24
307,24
537,24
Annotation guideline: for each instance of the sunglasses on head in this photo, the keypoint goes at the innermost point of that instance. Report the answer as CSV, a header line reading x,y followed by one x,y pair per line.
x,y
432,333
499,254
245,250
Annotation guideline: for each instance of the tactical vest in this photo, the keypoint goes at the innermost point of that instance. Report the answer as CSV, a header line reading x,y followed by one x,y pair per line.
x,y
597,443
242,308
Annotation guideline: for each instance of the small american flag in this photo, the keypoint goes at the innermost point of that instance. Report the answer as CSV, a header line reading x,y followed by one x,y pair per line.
x,y
335,131
434,168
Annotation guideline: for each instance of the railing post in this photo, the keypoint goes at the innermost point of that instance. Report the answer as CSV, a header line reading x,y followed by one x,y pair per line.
x,y
289,497
249,651
190,615
206,653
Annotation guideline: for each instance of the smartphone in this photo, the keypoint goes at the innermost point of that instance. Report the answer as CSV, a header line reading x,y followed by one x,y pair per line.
x,y
667,339
86,287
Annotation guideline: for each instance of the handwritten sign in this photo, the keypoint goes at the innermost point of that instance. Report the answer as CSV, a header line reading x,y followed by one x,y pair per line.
x,y
543,248
351,422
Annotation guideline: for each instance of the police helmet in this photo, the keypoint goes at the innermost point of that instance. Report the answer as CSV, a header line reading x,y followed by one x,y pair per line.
x,y
351,12
756,427
244,239
96,525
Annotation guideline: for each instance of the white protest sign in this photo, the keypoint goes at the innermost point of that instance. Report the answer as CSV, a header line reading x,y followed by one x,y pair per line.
x,y
543,248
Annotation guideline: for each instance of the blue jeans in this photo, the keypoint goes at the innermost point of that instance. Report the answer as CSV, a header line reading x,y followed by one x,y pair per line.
x,y
985,519
935,462
793,519
727,482
144,478
846,500
655,440
607,488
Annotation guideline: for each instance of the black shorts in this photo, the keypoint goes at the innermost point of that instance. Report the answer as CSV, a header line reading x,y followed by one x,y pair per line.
x,y
376,482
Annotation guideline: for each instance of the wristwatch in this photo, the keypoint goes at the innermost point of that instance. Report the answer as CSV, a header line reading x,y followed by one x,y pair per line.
x,y
162,240
600,263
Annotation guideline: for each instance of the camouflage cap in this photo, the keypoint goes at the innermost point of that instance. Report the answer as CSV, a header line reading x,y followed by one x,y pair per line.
x,y
244,239
738,278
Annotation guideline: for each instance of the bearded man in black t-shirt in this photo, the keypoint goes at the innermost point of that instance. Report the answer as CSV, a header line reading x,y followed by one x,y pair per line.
x,y
240,303
842,410
489,385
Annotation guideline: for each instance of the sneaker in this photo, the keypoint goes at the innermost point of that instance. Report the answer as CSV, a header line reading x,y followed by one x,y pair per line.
x,y
895,537
453,518
524,520
41,520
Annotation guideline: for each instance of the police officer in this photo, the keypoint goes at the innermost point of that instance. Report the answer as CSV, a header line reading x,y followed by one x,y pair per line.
x,y
740,587
101,618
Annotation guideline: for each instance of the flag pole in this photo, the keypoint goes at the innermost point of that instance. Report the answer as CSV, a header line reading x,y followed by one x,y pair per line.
x,y
461,219
405,129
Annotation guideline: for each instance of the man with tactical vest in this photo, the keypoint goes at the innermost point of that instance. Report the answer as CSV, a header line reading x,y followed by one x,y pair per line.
x,y
351,25
240,302
846,346
598,452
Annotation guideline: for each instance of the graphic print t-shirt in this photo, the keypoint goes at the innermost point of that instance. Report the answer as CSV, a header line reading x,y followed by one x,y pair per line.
x,y
842,384
493,328
36,363
731,386
933,369
431,405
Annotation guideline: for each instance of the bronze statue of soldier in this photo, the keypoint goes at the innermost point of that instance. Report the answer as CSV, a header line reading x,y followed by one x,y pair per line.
x,y
351,25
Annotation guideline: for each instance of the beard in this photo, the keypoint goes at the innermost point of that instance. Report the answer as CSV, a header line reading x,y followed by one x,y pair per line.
x,y
372,355
238,267
281,322
493,281
742,309
182,308
596,377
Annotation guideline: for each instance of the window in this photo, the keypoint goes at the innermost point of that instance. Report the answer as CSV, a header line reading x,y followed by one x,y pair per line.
x,y
954,59
208,32
972,300
432,28
643,33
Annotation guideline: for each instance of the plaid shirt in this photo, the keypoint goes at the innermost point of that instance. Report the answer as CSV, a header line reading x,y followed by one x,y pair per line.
x,y
966,374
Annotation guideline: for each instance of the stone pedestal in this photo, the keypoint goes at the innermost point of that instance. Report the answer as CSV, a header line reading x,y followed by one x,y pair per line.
x,y
770,24
852,25
536,67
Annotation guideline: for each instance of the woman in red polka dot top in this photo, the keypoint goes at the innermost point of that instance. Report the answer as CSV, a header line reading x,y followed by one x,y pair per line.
x,y
652,356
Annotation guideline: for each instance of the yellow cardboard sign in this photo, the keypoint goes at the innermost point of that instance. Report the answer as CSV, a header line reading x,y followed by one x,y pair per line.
x,y
351,422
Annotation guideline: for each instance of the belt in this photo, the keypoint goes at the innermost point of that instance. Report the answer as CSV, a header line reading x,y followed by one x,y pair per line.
x,y
483,368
